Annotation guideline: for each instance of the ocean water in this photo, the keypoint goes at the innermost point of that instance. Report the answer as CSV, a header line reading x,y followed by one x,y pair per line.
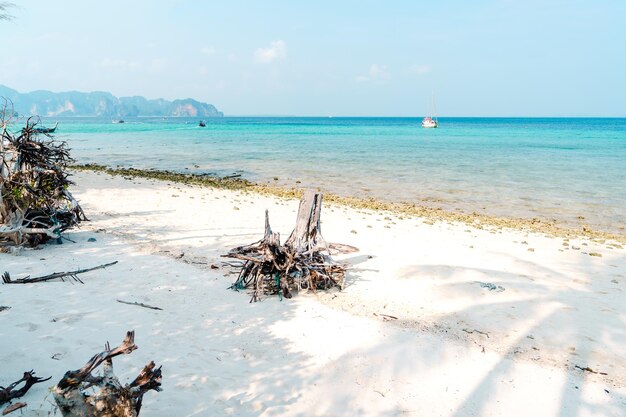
x,y
571,170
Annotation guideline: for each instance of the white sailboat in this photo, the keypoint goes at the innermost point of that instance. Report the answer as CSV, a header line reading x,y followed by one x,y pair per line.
x,y
431,122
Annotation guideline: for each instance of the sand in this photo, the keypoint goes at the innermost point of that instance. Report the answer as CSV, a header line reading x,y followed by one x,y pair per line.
x,y
436,319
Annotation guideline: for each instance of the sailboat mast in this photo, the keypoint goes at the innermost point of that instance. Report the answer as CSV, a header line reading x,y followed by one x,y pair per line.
x,y
434,107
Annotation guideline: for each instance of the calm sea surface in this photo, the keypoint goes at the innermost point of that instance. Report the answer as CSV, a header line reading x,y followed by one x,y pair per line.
x,y
548,168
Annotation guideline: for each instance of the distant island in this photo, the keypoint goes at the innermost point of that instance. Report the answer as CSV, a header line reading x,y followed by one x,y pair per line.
x,y
99,103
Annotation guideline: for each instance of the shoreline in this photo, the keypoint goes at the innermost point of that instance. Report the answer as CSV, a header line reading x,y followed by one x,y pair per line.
x,y
477,220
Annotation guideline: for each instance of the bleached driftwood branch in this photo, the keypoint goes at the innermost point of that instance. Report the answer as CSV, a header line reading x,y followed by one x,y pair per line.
x,y
9,393
6,278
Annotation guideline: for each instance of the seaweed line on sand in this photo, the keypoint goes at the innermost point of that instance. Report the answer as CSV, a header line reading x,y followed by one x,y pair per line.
x,y
476,220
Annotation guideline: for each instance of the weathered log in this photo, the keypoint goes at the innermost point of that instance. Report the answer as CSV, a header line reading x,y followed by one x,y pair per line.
x,y
6,278
29,379
74,392
303,262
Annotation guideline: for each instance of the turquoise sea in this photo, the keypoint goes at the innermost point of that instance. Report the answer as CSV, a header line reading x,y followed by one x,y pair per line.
x,y
571,170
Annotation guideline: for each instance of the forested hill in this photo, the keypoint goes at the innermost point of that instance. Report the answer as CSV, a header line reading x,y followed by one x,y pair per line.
x,y
98,103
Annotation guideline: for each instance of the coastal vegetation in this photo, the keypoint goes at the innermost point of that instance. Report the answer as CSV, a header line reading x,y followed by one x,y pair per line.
x,y
4,10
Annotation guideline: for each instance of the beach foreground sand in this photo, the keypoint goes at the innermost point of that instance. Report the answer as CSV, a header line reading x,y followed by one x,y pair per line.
x,y
436,319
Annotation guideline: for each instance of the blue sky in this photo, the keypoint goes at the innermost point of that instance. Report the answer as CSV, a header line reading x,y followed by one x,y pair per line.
x,y
353,58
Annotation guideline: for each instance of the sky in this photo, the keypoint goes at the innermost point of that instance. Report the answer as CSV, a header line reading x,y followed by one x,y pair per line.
x,y
321,58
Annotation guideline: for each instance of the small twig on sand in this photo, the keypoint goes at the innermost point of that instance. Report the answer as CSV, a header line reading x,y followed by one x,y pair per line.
x,y
476,331
12,408
386,316
6,278
139,304
588,369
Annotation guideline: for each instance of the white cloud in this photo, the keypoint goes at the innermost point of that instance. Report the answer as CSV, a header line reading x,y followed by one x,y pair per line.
x,y
208,51
420,69
378,71
375,73
276,50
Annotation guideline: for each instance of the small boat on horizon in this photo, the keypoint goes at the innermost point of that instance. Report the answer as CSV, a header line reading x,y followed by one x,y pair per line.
x,y
202,124
117,121
431,122
47,129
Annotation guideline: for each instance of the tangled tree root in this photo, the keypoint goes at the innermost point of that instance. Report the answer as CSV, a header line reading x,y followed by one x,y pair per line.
x,y
35,202
303,262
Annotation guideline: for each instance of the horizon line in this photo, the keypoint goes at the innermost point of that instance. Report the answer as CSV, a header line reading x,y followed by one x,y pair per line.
x,y
412,117
333,117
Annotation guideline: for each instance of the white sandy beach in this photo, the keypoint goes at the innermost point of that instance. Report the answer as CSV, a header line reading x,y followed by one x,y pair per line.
x,y
412,334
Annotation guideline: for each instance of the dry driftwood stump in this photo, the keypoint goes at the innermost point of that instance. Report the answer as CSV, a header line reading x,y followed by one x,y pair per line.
x,y
77,396
303,262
